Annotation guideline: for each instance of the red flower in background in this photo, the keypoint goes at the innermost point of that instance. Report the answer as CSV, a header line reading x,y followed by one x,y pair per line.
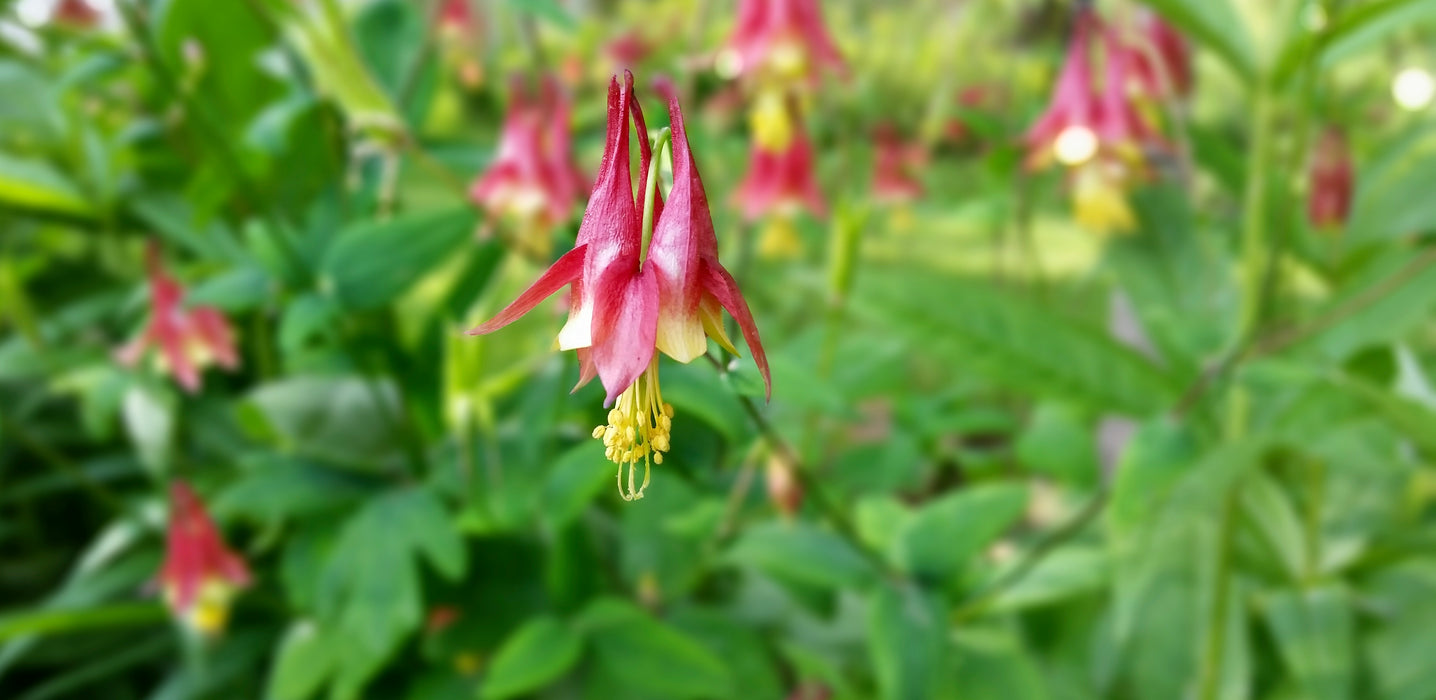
x,y
782,40
1120,129
200,575
1072,113
628,49
892,161
617,301
532,181
780,181
75,13
1331,181
1161,58
189,339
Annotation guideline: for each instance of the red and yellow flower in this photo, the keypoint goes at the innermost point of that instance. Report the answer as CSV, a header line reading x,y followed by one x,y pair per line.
x,y
782,42
200,575
532,183
893,161
625,308
778,185
189,339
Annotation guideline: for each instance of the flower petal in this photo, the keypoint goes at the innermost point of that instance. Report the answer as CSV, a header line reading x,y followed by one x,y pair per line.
x,y
563,271
720,284
625,324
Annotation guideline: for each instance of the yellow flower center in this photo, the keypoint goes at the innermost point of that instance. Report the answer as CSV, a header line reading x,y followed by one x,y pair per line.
x,y
208,612
638,429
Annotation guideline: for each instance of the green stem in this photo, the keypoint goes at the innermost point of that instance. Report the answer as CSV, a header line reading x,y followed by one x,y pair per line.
x,y
651,190
1256,243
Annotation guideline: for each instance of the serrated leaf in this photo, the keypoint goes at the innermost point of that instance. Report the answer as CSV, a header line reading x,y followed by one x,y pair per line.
x,y
945,534
534,656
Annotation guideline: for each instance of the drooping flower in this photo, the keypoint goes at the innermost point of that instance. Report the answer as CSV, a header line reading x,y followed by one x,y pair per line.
x,y
892,161
458,30
532,183
780,42
619,301
189,339
778,185
1161,57
780,181
200,575
1120,130
1330,180
1067,129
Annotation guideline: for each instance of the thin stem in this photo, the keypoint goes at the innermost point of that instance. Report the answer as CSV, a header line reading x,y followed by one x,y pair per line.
x,y
831,511
650,191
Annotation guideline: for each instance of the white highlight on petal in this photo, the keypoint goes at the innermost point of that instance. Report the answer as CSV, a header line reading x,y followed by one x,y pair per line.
x,y
1075,145
578,331
1413,89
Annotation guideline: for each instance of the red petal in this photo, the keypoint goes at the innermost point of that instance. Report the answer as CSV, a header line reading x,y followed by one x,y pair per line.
x,y
586,369
563,271
213,329
720,284
645,155
625,324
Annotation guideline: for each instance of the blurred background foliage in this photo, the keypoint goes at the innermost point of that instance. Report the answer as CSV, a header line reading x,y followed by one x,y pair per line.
x,y
1006,457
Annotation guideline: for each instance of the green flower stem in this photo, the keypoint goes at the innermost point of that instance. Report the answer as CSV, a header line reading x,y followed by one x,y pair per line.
x,y
651,190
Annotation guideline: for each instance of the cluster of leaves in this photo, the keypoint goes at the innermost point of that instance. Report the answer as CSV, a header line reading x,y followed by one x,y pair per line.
x,y
1193,461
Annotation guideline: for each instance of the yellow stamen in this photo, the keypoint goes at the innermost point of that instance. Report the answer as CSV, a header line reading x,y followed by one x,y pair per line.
x,y
638,428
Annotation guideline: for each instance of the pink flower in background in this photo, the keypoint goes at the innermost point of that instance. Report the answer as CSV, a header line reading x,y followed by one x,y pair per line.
x,y
1330,180
628,50
780,40
532,180
189,339
200,575
456,17
780,181
619,303
893,161
1120,129
1161,57
1067,128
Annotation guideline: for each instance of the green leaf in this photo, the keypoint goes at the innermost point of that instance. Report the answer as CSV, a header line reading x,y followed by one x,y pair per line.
x,y
1018,343
150,422
993,664
33,186
274,488
907,640
1276,520
371,585
945,534
649,656
1314,631
1216,25
346,420
577,477
548,10
1060,445
373,263
64,620
240,289
1158,456
1391,199
1359,27
801,553
533,657
304,661
1389,297
1058,577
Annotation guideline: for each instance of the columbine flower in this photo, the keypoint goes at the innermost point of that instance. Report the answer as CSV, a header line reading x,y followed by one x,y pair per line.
x,y
892,159
779,42
1161,57
1067,129
200,575
533,182
628,50
188,339
1120,130
458,31
1330,178
778,185
619,304
79,14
